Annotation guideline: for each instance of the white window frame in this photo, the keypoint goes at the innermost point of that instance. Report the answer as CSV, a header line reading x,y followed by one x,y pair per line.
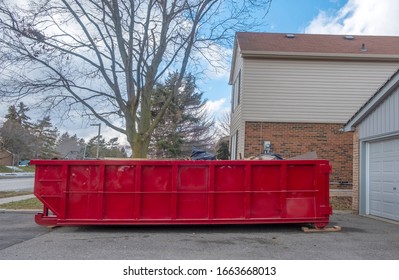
x,y
236,92
234,145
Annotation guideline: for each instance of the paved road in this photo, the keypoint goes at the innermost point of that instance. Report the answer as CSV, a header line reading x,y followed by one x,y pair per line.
x,y
16,184
360,238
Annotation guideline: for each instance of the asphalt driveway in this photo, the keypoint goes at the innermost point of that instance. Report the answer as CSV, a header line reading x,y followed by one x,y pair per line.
x,y
360,238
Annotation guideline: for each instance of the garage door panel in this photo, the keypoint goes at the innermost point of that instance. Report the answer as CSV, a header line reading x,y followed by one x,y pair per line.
x,y
375,206
389,146
388,190
375,149
384,178
389,167
388,210
375,167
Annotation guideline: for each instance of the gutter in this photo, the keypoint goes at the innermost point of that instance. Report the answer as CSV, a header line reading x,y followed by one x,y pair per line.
x,y
320,56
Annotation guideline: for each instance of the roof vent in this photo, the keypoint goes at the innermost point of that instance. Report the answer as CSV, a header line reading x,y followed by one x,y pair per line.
x,y
290,36
349,37
363,48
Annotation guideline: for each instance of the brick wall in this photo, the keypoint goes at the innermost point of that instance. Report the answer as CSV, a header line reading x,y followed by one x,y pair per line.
x,y
356,162
292,139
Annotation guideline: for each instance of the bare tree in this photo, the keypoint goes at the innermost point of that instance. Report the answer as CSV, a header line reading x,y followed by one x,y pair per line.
x,y
224,124
105,57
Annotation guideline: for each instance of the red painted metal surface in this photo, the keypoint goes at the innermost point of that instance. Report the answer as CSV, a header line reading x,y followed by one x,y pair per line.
x,y
147,192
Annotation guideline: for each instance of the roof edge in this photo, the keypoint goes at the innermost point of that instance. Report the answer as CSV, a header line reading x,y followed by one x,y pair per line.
x,y
233,62
308,55
373,102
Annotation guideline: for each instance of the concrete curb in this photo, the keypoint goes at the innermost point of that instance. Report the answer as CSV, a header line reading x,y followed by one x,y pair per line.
x,y
17,175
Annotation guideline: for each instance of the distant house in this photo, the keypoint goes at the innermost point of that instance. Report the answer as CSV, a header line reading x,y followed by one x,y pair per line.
x,y
376,153
296,91
5,155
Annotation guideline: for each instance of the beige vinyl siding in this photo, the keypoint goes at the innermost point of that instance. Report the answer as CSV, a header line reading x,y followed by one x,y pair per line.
x,y
309,91
237,122
383,120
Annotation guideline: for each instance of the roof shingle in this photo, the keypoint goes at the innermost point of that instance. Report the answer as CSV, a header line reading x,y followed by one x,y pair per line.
x,y
316,43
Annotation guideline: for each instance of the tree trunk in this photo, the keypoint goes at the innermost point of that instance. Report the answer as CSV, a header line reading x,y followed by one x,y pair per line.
x,y
140,148
138,142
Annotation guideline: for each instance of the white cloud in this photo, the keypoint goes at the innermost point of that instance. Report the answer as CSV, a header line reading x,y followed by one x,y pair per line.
x,y
371,17
214,107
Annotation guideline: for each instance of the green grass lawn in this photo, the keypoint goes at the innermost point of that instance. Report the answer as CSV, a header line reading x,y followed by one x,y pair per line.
x,y
32,203
6,169
13,193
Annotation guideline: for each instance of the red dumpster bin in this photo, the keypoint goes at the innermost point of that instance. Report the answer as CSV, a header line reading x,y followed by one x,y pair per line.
x,y
149,192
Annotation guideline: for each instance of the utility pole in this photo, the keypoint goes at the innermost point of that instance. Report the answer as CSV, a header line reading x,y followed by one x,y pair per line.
x,y
98,137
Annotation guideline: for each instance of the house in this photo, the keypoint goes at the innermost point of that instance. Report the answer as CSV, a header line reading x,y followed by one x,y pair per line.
x,y
296,91
376,153
5,155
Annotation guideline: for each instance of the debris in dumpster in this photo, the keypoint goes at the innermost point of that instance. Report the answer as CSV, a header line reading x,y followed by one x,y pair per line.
x,y
309,155
269,156
199,154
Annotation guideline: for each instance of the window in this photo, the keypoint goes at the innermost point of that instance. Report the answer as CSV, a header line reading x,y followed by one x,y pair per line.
x,y
236,92
234,145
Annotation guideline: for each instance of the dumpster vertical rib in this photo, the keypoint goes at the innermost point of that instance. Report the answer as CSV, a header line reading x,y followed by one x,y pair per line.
x,y
100,191
323,194
64,191
137,191
173,201
247,190
211,191
283,189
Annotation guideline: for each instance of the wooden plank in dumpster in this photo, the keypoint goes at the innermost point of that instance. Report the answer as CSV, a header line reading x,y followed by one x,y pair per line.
x,y
150,192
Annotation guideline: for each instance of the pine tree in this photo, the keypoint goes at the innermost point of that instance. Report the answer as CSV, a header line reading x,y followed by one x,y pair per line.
x,y
45,139
16,133
110,148
186,122
18,114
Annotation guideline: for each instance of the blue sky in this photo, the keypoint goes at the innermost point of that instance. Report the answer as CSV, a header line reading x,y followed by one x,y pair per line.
x,y
295,15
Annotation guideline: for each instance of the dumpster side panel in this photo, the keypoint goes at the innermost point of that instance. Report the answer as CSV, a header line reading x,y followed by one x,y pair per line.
x,y
118,196
301,191
49,181
182,192
155,192
229,185
266,187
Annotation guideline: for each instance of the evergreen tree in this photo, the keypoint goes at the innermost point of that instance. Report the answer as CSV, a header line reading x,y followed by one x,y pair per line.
x,y
113,149
185,123
110,148
17,140
222,148
16,132
12,113
18,114
45,139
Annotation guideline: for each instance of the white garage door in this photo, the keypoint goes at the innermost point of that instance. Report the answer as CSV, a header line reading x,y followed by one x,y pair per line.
x,y
384,179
